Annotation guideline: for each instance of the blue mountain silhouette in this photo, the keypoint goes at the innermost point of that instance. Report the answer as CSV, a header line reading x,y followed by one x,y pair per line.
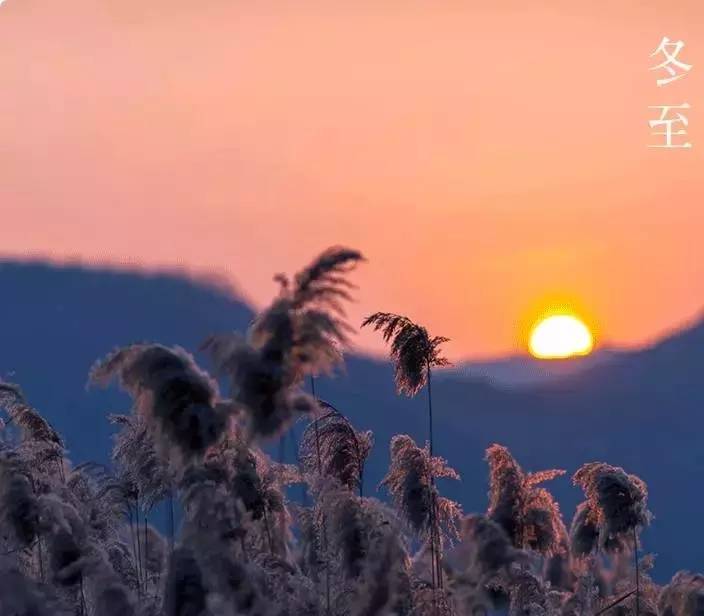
x,y
640,410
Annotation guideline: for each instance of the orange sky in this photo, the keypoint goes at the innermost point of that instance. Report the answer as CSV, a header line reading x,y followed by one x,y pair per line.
x,y
486,160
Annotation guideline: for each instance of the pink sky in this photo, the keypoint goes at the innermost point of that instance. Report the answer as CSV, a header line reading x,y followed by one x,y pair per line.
x,y
488,161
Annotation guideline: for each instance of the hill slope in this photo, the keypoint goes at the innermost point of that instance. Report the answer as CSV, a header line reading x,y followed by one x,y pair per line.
x,y
525,370
641,410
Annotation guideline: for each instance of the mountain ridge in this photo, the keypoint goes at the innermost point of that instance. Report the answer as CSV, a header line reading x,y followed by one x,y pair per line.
x,y
642,412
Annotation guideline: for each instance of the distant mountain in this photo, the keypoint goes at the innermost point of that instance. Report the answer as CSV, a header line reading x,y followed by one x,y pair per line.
x,y
524,370
55,322
640,410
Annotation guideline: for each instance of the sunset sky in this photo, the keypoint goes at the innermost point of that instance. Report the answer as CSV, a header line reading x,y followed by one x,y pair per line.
x,y
489,162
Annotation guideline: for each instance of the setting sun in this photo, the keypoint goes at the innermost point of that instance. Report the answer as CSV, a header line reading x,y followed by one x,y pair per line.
x,y
560,336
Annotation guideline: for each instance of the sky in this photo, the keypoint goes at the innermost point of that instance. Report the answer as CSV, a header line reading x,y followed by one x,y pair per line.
x,y
490,161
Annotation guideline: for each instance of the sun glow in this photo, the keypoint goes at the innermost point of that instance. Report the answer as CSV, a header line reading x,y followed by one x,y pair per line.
x,y
560,336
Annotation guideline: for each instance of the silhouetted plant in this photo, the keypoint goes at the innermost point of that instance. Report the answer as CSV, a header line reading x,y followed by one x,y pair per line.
x,y
617,503
310,312
528,514
75,540
171,393
299,334
67,549
144,477
411,484
413,350
22,595
42,445
484,551
138,461
19,509
331,447
384,588
185,593
415,353
683,596
407,481
255,484
616,508
333,453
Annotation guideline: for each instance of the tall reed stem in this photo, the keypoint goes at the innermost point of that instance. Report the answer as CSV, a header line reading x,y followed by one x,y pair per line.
x,y
635,562
434,547
322,521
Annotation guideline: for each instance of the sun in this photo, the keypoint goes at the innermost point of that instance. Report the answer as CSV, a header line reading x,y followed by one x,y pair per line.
x,y
560,336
